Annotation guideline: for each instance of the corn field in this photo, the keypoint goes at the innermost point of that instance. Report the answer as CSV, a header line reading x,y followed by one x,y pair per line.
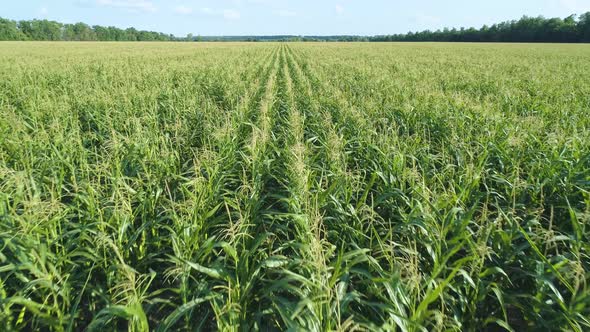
x,y
294,186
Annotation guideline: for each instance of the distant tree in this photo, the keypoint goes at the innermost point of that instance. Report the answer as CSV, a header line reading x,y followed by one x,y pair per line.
x,y
527,29
68,32
584,28
28,30
571,29
40,29
145,36
9,30
102,33
130,34
83,32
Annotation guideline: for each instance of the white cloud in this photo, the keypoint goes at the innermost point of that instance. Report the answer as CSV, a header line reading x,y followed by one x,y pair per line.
x,y
129,5
183,10
285,13
231,14
228,14
43,11
339,9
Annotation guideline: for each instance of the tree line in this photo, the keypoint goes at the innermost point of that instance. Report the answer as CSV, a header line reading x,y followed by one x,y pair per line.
x,y
572,29
54,31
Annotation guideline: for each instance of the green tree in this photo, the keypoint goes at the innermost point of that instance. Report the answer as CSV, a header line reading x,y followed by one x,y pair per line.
x,y
9,30
83,32
584,28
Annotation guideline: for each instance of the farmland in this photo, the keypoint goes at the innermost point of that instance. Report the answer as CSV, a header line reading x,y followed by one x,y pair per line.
x,y
302,186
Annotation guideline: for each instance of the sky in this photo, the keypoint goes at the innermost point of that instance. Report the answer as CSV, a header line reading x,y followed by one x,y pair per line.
x,y
282,17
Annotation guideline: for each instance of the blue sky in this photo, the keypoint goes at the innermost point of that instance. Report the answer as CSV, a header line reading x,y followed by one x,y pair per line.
x,y
302,17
